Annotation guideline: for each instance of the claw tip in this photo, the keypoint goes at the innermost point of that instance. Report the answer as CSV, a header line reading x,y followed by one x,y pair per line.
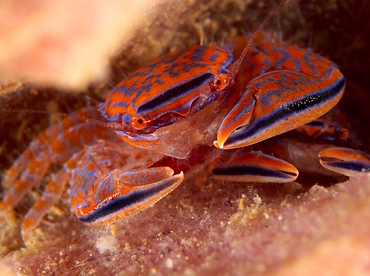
x,y
217,145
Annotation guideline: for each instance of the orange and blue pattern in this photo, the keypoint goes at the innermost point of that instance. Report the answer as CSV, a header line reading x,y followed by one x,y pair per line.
x,y
174,111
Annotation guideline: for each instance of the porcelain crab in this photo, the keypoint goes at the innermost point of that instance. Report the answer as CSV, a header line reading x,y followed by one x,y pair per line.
x,y
204,106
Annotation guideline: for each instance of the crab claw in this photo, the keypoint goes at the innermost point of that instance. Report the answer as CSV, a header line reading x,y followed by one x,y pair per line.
x,y
345,161
277,102
253,167
121,194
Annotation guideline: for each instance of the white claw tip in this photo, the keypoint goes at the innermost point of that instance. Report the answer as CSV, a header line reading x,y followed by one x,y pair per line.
x,y
215,143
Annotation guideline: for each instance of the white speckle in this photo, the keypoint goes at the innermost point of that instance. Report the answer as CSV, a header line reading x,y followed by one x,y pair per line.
x,y
280,217
106,243
257,200
169,263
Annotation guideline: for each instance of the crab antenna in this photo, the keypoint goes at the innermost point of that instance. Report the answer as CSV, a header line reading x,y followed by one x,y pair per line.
x,y
78,117
236,65
32,111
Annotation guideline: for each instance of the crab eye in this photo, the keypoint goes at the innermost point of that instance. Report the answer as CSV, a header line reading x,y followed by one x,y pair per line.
x,y
138,122
220,82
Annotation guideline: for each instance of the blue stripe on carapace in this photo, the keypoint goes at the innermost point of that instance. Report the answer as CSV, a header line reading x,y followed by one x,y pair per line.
x,y
307,56
280,114
175,92
284,56
198,53
214,56
126,201
247,170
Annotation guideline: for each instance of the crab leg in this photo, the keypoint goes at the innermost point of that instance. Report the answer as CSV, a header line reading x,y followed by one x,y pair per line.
x,y
324,132
32,174
277,102
254,166
345,161
60,150
49,198
43,140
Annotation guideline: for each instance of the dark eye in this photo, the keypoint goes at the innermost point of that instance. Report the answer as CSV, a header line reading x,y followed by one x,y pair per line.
x,y
138,122
220,82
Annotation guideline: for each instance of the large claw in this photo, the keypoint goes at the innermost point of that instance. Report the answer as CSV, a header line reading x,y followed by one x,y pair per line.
x,y
121,194
108,180
277,102
345,161
253,167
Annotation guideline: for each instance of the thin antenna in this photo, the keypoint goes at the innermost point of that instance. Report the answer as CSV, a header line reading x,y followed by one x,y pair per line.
x,y
45,112
33,111
236,65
